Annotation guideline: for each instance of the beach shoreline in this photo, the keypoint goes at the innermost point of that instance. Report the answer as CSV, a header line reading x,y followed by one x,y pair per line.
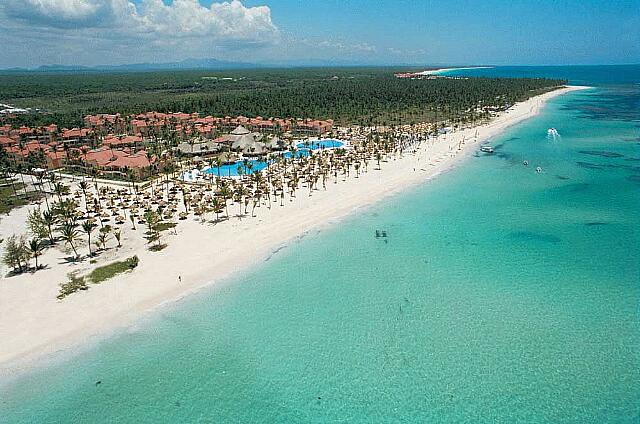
x,y
443,70
42,327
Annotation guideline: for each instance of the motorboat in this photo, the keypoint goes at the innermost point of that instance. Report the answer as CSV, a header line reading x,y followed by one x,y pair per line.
x,y
486,148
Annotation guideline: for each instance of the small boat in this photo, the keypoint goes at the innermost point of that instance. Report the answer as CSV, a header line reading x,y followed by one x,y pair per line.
x,y
553,133
485,148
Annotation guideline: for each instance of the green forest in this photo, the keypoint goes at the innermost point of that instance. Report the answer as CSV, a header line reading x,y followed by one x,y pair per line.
x,y
347,95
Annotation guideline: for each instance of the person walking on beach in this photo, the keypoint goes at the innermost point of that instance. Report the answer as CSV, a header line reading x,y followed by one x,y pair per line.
x,y
180,278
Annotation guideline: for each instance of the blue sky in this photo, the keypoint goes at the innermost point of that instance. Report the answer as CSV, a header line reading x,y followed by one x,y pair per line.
x,y
424,32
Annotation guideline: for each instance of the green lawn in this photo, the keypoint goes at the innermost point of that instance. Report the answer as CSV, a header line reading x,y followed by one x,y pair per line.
x,y
105,272
8,200
96,276
164,226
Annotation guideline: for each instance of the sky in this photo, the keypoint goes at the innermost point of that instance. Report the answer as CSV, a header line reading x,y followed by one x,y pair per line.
x,y
306,32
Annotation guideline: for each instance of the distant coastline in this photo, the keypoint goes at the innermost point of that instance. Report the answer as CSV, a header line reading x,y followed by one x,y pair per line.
x,y
443,70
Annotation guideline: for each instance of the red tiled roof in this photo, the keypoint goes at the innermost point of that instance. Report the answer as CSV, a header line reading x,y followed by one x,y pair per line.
x,y
108,158
113,141
137,160
6,141
75,132
55,154
27,148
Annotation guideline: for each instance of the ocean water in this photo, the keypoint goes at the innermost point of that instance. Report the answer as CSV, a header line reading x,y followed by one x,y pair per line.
x,y
499,295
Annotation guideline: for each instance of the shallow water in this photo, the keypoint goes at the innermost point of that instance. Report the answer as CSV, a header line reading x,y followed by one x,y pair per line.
x,y
498,295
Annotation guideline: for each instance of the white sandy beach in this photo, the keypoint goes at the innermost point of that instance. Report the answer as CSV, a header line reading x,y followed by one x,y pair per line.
x,y
443,70
33,323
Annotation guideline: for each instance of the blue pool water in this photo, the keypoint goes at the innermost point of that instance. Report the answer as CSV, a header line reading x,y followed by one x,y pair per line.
x,y
499,295
321,144
231,169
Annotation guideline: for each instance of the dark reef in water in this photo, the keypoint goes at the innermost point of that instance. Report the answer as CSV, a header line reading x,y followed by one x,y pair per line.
x,y
562,177
531,236
619,104
634,178
595,224
601,153
575,187
589,165
627,167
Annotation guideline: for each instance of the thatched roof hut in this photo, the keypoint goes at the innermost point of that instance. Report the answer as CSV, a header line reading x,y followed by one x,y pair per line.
x,y
276,143
243,141
240,130
228,157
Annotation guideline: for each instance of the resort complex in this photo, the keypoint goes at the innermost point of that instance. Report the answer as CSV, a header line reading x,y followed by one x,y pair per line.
x,y
234,211
134,147
105,196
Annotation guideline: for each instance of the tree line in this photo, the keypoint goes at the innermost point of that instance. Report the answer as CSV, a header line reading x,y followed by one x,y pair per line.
x,y
347,95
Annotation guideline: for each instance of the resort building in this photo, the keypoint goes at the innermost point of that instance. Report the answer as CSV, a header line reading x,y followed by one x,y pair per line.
x,y
244,141
118,163
76,136
112,144
119,141
200,147
312,127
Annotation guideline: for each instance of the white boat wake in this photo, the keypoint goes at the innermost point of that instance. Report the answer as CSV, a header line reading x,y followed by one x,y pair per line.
x,y
553,134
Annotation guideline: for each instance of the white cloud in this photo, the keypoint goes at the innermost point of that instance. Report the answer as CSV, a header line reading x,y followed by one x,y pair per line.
x,y
342,47
188,18
184,26
58,13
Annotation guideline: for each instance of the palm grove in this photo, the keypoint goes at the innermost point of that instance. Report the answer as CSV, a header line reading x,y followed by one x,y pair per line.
x,y
346,95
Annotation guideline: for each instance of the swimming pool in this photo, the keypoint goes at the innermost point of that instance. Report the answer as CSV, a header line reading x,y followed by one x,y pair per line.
x,y
231,169
328,143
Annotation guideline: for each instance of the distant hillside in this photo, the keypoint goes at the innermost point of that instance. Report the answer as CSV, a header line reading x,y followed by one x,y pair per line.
x,y
187,64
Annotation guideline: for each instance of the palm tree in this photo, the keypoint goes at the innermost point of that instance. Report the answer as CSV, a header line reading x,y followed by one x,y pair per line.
x,y
60,189
225,193
88,226
69,235
245,162
66,210
35,246
103,236
49,219
216,205
239,194
84,186
20,169
218,165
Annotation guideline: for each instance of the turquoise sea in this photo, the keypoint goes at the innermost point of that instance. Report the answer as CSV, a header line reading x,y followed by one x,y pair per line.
x,y
499,295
